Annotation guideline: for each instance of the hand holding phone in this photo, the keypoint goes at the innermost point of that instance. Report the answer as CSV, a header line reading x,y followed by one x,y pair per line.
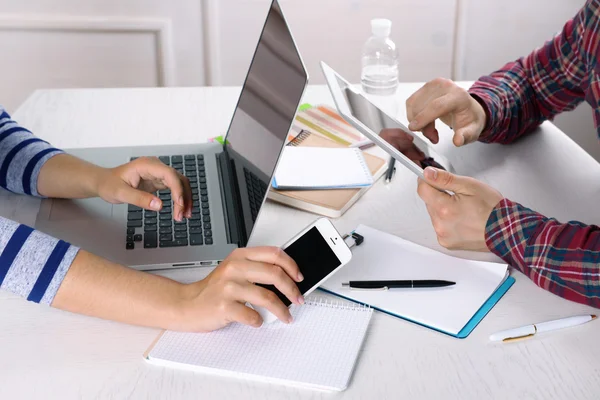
x,y
221,297
319,251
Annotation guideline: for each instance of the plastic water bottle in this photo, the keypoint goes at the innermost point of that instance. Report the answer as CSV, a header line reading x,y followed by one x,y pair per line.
x,y
380,60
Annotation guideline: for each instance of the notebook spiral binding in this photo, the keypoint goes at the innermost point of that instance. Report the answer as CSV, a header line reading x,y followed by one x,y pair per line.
x,y
338,305
302,136
363,163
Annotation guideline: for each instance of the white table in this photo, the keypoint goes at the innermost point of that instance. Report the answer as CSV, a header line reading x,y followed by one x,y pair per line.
x,y
46,353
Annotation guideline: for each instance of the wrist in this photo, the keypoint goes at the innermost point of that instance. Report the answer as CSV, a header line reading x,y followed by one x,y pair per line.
x,y
182,312
482,113
97,176
176,312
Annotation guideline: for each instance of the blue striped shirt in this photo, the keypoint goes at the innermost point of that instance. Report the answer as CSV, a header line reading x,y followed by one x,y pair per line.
x,y
32,264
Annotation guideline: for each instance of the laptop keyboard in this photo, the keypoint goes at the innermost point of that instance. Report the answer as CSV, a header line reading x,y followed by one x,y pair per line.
x,y
151,229
256,192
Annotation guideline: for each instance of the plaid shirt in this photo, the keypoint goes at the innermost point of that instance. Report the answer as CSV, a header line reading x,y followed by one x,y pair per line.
x,y
561,258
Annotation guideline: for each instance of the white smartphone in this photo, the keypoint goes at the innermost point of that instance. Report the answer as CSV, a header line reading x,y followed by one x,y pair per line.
x,y
319,251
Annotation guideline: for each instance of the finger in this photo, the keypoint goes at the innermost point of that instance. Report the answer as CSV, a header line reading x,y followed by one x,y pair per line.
x,y
150,186
139,198
187,195
261,297
270,274
153,169
465,136
276,256
458,139
415,103
434,109
434,136
447,181
238,312
431,196
431,132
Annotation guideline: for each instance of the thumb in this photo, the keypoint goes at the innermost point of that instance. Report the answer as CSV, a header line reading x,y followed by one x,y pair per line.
x,y
139,198
445,180
459,138
464,136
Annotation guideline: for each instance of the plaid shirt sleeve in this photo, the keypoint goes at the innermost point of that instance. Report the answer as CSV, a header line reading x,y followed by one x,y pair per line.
x,y
525,93
561,258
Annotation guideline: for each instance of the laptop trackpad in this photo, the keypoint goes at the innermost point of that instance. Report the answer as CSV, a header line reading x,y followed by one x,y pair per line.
x,y
72,210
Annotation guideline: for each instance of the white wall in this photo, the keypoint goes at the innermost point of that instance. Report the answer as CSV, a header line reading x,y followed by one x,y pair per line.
x,y
335,31
98,43
115,43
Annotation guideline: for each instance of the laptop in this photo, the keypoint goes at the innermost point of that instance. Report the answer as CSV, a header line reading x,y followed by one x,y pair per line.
x,y
229,181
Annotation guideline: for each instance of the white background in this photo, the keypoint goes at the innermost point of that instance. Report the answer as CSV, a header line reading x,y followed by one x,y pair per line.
x,y
116,43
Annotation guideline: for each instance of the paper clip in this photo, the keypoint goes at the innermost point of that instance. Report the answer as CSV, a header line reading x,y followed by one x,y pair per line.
x,y
353,239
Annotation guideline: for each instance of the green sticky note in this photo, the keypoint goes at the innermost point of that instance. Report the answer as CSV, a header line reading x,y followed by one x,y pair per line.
x,y
219,139
304,106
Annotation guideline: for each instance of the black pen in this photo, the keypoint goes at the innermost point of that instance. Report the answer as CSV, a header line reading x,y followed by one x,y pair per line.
x,y
385,285
391,169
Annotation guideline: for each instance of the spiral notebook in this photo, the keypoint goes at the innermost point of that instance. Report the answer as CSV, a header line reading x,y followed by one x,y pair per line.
x,y
330,203
309,168
318,350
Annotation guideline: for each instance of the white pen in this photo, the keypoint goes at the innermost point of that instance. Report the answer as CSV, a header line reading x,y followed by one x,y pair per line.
x,y
530,330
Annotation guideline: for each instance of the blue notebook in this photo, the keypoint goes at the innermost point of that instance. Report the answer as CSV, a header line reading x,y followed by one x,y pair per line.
x,y
454,310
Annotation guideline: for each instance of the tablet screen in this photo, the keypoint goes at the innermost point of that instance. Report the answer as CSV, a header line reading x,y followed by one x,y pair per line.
x,y
409,144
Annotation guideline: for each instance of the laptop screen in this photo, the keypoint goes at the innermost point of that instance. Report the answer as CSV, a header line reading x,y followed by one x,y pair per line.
x,y
265,112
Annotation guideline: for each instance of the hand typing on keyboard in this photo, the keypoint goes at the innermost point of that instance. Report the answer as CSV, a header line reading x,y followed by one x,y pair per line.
x,y
166,228
136,182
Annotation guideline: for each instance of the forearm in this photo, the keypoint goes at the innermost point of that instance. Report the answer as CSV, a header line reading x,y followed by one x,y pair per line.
x,y
49,271
99,288
526,92
65,176
561,258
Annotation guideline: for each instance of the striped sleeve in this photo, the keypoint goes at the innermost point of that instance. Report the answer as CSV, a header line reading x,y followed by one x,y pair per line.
x,y
22,156
561,258
32,264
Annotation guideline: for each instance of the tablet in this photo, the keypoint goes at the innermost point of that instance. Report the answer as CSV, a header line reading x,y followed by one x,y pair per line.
x,y
370,120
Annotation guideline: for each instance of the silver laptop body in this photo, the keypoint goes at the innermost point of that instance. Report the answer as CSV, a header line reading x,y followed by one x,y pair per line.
x,y
230,181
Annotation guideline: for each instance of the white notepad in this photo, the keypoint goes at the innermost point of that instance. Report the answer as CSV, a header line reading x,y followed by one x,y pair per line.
x,y
318,350
387,257
307,168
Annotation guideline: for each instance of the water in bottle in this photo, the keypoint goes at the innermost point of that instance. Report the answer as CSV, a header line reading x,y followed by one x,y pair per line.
x,y
380,60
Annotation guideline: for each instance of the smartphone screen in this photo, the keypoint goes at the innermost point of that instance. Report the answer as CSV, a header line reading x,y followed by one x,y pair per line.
x,y
315,259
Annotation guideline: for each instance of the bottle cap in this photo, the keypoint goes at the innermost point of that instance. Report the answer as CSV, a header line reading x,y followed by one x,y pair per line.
x,y
381,27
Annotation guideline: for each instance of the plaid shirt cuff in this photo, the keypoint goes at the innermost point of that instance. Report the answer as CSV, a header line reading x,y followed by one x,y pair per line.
x,y
493,109
508,229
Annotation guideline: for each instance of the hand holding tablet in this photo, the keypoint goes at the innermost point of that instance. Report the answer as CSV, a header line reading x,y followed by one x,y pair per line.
x,y
392,136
